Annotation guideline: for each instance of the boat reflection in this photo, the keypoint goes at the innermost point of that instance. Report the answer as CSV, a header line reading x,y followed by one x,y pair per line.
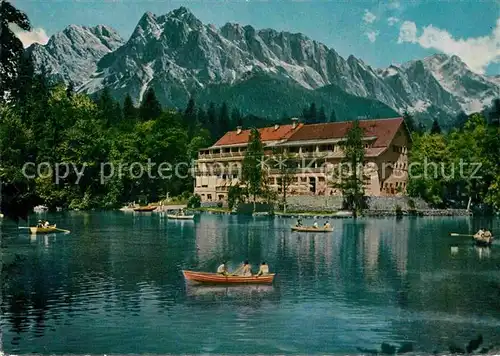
x,y
245,291
44,239
483,251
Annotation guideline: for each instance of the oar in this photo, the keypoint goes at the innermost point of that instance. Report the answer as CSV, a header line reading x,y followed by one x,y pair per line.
x,y
455,234
62,230
23,227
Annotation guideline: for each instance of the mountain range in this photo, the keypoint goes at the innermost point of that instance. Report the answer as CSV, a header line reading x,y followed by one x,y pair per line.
x,y
263,72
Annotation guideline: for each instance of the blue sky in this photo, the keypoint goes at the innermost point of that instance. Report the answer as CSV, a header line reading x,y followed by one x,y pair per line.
x,y
379,32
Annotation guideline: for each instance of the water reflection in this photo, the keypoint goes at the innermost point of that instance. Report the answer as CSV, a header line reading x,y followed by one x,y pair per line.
x,y
244,291
117,278
483,252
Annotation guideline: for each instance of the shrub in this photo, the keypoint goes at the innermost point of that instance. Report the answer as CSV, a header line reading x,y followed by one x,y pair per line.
x,y
399,210
219,204
194,201
411,204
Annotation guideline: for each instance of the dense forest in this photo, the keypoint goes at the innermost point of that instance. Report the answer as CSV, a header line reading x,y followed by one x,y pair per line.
x,y
459,168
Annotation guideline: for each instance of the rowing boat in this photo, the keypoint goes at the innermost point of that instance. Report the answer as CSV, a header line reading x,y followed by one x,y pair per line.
x,y
483,241
215,278
145,208
180,217
43,230
311,229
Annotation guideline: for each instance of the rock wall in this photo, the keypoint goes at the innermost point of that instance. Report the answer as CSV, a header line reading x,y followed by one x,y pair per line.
x,y
390,203
314,203
334,203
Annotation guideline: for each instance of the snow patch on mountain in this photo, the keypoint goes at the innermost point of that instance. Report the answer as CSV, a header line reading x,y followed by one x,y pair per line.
x,y
72,54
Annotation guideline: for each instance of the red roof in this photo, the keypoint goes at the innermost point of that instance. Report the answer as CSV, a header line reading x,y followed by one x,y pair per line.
x,y
266,134
383,129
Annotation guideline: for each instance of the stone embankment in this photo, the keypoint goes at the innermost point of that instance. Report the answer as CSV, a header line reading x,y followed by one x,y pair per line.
x,y
423,212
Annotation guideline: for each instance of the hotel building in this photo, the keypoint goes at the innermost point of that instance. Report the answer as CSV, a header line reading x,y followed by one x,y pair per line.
x,y
318,150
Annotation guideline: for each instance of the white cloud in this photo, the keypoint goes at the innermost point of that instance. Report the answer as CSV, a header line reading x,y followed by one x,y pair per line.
x,y
408,32
372,35
476,52
369,17
391,21
36,35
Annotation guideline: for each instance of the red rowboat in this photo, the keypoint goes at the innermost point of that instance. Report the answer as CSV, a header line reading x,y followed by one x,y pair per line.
x,y
145,208
215,278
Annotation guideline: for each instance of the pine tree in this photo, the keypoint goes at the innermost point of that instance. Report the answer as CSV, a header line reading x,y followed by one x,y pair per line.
x,y
212,121
494,115
150,108
224,124
436,129
351,177
129,111
333,116
70,90
236,117
107,108
252,165
191,117
313,114
322,115
11,49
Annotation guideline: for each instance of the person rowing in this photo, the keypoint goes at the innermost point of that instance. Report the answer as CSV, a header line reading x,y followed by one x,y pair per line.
x,y
315,225
263,270
299,222
327,225
245,270
222,269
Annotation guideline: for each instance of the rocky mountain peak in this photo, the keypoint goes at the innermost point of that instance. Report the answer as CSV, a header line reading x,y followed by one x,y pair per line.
x,y
177,54
72,54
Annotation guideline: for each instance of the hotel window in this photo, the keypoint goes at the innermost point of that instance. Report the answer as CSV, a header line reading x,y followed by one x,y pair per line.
x,y
209,196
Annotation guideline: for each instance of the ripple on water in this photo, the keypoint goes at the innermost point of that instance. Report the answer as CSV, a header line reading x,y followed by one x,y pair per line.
x,y
116,286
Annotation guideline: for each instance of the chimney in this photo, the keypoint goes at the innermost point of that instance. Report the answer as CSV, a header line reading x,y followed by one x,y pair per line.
x,y
276,126
294,122
238,130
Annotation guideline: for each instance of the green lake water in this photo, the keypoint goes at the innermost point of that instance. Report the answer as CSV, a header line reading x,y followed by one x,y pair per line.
x,y
114,285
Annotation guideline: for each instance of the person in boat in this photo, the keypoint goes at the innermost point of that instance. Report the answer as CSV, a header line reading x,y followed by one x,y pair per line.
x,y
46,224
39,223
264,269
299,222
315,225
245,270
327,225
487,234
222,269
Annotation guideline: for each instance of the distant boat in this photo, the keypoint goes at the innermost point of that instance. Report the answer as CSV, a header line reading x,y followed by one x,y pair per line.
x,y
40,209
145,208
483,240
180,217
59,208
45,230
261,213
311,229
215,278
